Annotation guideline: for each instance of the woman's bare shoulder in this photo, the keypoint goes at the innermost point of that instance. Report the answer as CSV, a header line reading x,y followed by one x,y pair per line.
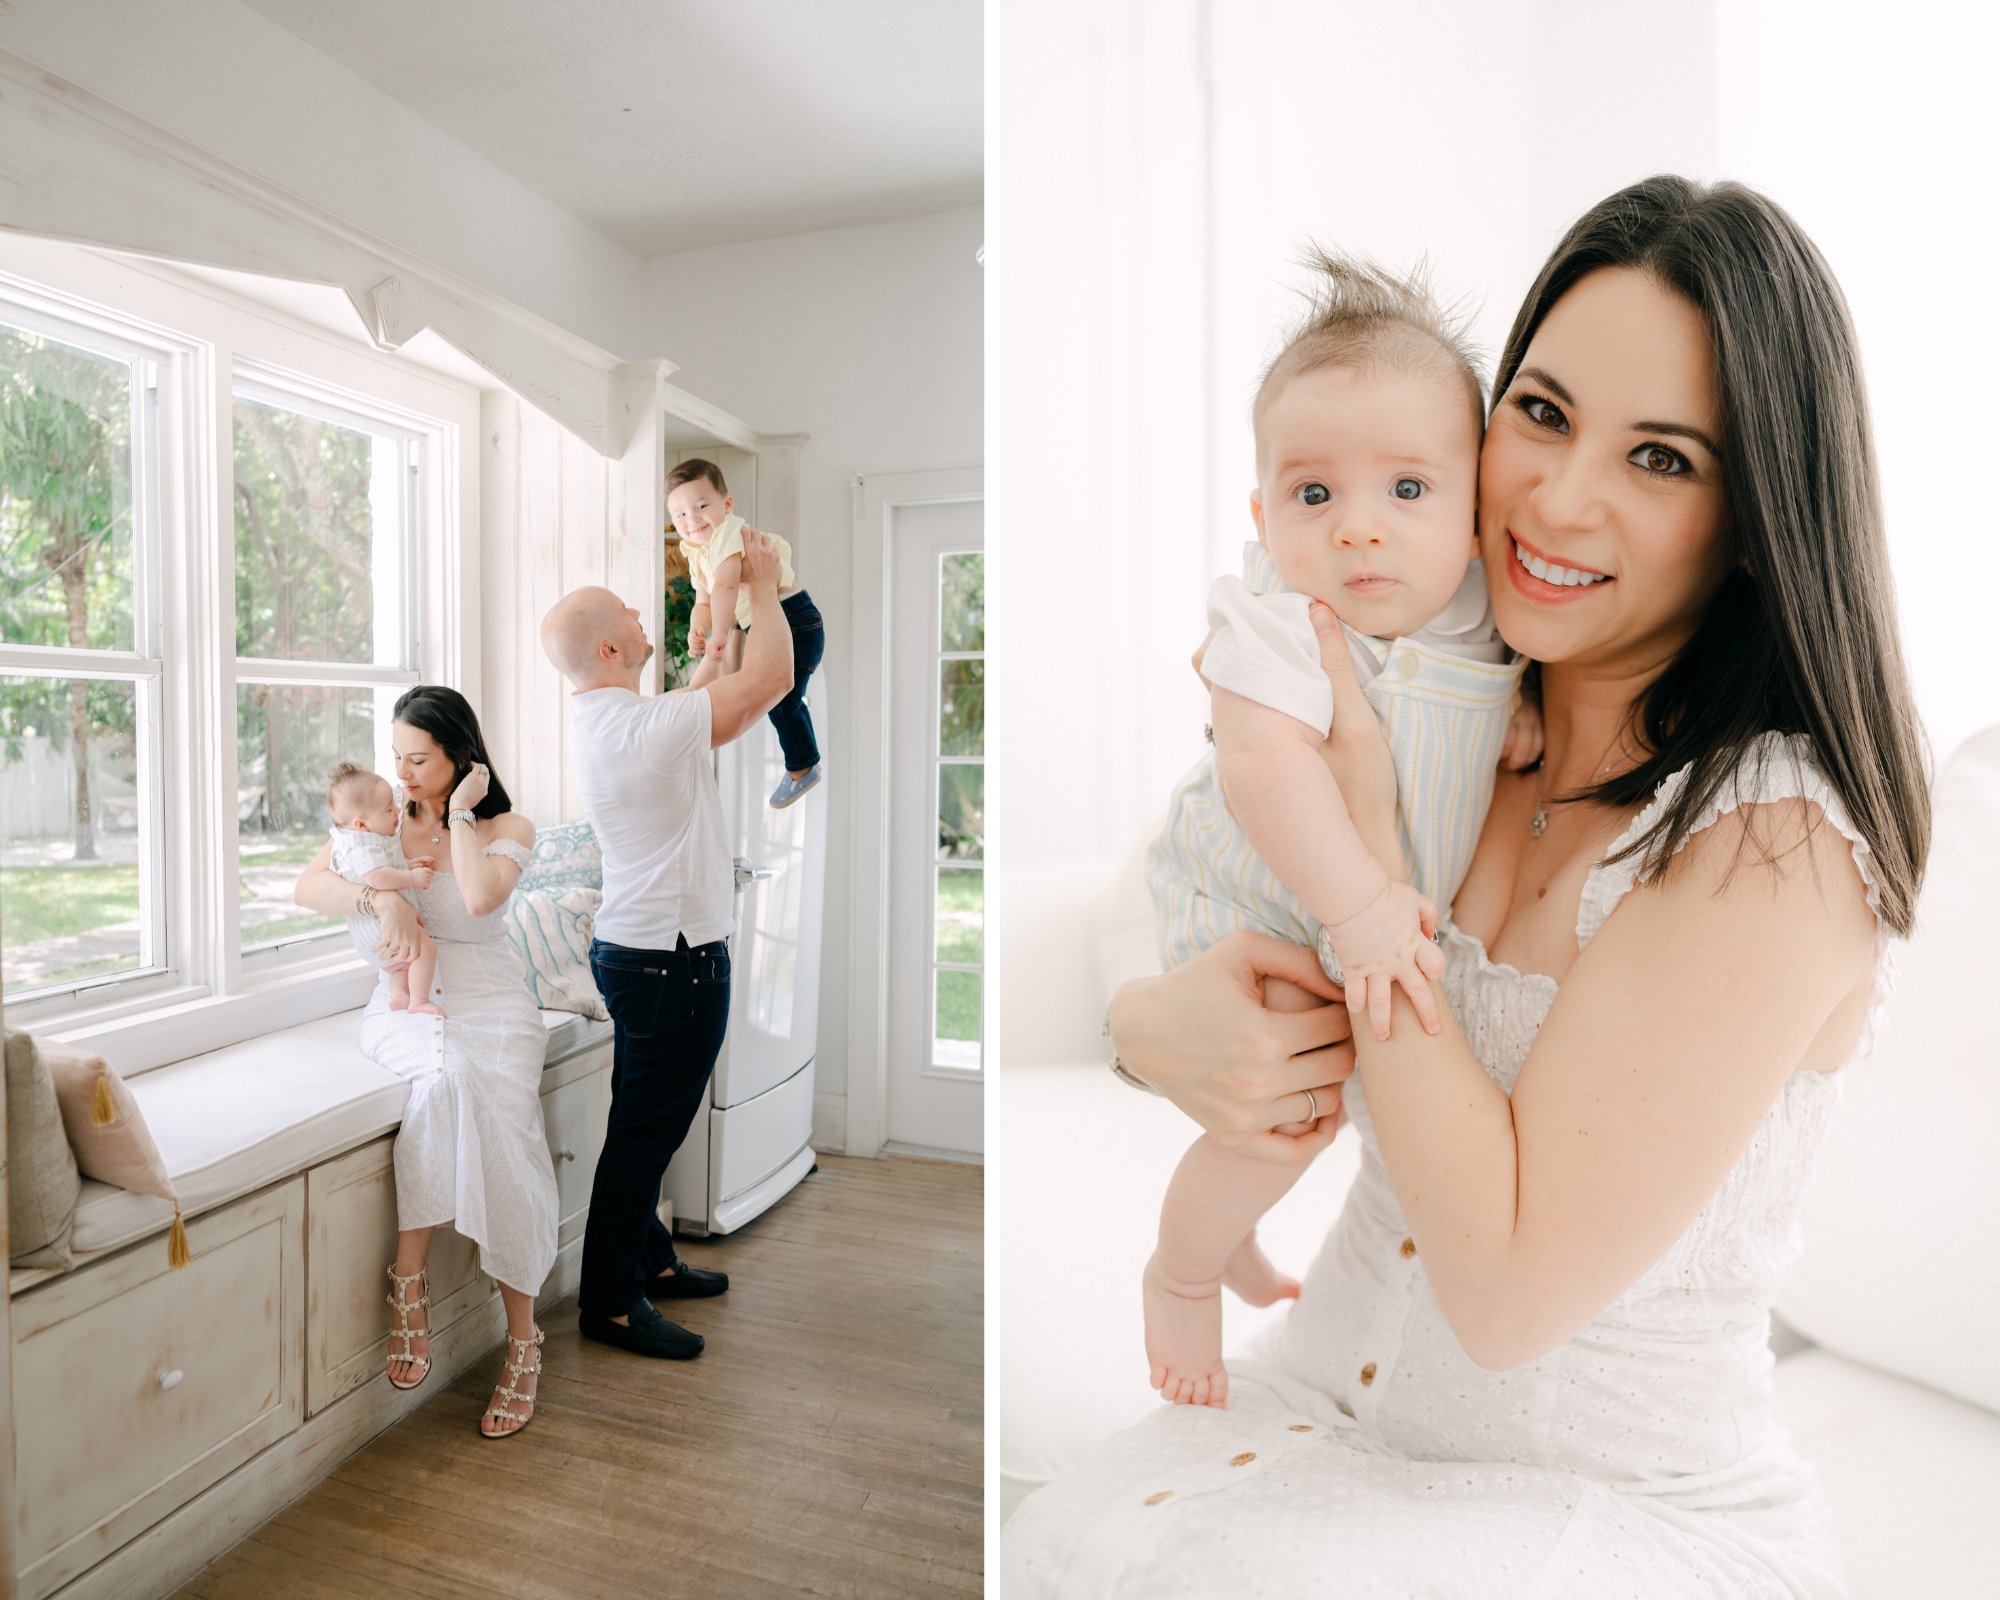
x,y
510,825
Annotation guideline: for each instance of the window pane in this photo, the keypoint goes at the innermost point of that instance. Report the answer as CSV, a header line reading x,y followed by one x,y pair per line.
x,y
289,738
955,1039
962,602
960,907
70,831
311,497
65,495
962,811
962,708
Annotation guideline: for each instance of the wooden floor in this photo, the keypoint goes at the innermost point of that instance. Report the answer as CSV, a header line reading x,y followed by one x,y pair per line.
x,y
827,1442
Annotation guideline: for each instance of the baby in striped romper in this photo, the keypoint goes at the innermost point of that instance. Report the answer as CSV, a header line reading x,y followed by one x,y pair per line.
x,y
1367,426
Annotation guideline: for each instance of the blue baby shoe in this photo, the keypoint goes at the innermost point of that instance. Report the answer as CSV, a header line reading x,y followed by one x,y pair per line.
x,y
790,788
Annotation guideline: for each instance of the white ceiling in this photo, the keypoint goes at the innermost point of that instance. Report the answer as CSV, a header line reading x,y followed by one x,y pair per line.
x,y
672,124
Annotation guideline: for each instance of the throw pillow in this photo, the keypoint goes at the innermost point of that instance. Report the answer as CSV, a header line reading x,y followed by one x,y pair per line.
x,y
117,1148
42,1181
566,857
550,932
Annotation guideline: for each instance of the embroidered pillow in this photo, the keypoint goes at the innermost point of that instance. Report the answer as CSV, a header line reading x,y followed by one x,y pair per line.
x,y
42,1182
550,932
566,857
110,1137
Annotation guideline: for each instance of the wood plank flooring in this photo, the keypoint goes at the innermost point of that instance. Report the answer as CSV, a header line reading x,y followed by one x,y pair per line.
x,y
827,1442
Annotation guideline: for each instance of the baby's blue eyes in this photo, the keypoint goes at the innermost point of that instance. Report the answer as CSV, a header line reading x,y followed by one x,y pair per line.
x,y
1407,489
1314,494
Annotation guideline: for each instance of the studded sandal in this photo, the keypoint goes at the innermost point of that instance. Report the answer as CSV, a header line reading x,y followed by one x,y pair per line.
x,y
506,1394
402,1306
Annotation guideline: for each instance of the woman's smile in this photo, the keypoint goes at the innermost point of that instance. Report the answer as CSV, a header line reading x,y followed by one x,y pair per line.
x,y
1539,577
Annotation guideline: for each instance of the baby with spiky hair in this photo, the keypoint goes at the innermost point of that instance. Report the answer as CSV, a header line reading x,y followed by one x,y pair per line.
x,y
367,838
1368,426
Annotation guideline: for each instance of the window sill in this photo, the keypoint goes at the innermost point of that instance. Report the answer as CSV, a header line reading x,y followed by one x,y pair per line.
x,y
192,1021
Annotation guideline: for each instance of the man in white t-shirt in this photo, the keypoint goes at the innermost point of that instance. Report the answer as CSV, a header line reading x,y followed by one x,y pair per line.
x,y
661,953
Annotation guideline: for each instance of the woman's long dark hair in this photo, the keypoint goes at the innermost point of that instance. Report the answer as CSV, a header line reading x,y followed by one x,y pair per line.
x,y
447,716
1801,638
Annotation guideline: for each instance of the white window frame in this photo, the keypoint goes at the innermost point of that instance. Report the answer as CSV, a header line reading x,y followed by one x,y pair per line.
x,y
207,344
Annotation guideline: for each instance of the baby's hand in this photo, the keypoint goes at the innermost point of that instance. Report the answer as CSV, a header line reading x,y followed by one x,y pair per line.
x,y
1389,941
1524,738
421,871
714,647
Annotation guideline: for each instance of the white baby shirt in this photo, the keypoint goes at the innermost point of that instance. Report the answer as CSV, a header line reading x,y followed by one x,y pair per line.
x,y
356,852
1444,697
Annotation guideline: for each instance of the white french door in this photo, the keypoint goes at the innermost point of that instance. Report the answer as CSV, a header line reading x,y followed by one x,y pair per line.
x,y
937,873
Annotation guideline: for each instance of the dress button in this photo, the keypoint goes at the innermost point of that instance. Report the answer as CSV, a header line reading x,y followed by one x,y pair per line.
x,y
1155,1499
1248,1455
1409,1248
1302,1427
1367,1374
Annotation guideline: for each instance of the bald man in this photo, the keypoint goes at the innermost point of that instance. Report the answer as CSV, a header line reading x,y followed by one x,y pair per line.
x,y
661,952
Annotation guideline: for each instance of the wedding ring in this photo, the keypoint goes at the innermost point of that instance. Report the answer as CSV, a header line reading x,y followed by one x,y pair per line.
x,y
1313,1114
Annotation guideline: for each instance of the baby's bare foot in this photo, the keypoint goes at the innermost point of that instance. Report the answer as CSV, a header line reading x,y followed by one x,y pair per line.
x,y
1184,1339
1253,1280
424,1008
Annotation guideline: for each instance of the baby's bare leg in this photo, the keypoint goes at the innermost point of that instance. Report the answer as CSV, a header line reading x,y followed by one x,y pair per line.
x,y
423,978
1212,1205
399,984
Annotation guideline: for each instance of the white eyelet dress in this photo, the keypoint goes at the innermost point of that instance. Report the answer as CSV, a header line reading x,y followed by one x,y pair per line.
x,y
1364,1455
472,1151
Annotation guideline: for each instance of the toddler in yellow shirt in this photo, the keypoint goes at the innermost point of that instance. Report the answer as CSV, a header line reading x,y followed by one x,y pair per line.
x,y
711,537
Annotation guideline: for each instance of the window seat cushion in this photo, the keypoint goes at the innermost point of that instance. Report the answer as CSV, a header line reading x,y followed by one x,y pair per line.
x,y
250,1114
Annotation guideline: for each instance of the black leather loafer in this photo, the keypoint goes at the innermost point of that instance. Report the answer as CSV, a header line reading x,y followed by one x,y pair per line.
x,y
687,1283
645,1333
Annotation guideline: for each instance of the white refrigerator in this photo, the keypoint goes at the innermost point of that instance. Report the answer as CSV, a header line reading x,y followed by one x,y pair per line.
x,y
748,1144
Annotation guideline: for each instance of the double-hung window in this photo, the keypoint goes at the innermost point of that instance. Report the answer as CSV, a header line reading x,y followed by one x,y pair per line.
x,y
227,546
81,885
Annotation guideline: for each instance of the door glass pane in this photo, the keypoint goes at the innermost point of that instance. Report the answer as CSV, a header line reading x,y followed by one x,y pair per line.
x,y
289,738
962,708
65,495
314,501
962,612
957,1032
71,831
960,906
961,812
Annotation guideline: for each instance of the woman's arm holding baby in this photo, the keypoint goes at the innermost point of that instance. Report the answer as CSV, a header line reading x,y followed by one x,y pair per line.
x,y
322,889
1284,794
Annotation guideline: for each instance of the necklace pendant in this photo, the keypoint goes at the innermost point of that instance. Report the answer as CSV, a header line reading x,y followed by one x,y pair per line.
x,y
1538,824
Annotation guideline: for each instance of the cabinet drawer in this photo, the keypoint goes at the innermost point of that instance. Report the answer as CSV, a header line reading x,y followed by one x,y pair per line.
x,y
351,1204
573,1116
136,1386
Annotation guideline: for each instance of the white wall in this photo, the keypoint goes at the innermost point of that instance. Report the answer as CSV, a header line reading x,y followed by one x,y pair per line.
x,y
223,77
1156,165
868,341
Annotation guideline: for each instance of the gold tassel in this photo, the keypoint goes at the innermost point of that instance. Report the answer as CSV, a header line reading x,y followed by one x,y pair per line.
x,y
103,1111
178,1253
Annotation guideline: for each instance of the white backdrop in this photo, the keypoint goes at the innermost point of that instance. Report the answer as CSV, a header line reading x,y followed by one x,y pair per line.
x,y
1154,166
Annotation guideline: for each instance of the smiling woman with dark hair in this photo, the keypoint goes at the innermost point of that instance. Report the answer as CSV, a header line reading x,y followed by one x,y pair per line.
x,y
1532,1358
471,1151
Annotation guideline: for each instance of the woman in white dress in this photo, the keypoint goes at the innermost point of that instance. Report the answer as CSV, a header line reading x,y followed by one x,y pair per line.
x,y
472,1151
1532,1358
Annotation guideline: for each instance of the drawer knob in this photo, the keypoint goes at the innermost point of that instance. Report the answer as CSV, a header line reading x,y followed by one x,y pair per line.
x,y
565,1155
169,1380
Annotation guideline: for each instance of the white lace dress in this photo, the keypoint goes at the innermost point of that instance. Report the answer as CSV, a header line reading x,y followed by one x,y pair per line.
x,y
472,1151
1363,1454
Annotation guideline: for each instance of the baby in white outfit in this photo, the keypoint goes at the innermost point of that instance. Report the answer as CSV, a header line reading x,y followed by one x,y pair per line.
x,y
367,840
1367,426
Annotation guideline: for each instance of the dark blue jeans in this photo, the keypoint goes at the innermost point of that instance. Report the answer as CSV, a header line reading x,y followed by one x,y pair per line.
x,y
790,716
669,1010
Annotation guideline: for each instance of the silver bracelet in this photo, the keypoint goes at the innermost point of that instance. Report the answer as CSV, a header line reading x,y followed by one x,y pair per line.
x,y
460,815
1119,1070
